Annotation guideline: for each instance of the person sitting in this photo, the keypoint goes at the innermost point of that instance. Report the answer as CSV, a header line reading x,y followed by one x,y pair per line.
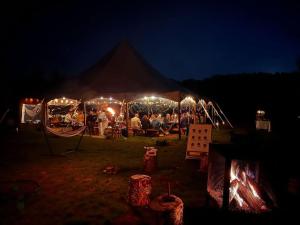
x,y
145,122
156,125
166,122
136,124
184,123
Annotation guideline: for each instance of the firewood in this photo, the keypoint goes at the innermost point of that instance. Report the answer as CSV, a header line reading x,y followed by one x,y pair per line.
x,y
150,161
261,192
139,190
255,203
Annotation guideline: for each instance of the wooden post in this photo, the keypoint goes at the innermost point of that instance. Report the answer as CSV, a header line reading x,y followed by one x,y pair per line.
x,y
139,190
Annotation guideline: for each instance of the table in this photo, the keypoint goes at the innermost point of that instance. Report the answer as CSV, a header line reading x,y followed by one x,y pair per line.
x,y
263,125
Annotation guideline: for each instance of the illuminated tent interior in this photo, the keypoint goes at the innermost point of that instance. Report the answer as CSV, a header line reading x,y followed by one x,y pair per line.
x,y
63,112
152,105
30,109
113,107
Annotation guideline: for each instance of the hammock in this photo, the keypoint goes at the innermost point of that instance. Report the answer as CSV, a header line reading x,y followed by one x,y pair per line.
x,y
70,133
33,111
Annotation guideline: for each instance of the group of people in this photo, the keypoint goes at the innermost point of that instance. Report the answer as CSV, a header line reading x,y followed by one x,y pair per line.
x,y
98,120
163,124
72,119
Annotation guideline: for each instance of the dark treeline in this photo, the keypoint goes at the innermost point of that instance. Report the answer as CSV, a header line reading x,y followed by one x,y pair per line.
x,y
240,95
36,84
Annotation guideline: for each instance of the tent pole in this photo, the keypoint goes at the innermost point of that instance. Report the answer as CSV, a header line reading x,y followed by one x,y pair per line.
x,y
179,117
80,139
207,114
44,124
224,115
84,113
127,118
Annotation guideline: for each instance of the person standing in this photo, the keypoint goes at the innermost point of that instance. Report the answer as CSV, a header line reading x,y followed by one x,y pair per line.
x,y
136,124
102,122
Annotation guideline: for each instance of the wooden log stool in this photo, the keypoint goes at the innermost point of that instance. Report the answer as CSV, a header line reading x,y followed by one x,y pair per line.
x,y
169,209
140,187
150,160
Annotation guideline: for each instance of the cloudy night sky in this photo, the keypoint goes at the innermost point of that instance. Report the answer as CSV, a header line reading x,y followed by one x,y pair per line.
x,y
182,39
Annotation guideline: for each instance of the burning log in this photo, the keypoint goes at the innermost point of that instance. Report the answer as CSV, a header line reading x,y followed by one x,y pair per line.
x,y
169,209
150,160
245,193
139,190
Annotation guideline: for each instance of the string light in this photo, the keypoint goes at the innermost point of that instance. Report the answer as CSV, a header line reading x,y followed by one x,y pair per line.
x,y
150,105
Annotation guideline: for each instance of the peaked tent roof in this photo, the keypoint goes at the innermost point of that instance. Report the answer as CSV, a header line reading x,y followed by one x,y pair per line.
x,y
124,72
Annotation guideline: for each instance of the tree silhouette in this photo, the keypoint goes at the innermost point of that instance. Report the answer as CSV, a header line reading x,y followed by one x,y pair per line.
x,y
298,64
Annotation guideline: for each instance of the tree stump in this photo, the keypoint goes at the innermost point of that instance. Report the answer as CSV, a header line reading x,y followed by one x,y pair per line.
x,y
147,148
139,190
169,209
150,160
203,162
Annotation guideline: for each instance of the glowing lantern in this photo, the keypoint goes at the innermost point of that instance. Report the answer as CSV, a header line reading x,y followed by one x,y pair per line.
x,y
109,109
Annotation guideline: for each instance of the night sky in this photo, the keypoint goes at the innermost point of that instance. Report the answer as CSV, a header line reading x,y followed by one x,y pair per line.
x,y
181,39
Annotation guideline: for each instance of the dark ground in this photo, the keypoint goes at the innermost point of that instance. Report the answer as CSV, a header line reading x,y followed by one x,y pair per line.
x,y
73,190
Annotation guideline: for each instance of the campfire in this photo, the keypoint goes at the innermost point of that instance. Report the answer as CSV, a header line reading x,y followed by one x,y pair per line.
x,y
237,184
244,191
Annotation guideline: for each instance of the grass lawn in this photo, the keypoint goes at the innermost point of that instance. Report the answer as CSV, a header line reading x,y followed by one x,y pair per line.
x,y
73,190
73,187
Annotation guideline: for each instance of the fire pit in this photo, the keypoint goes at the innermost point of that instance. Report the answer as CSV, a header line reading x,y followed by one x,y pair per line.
x,y
237,180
